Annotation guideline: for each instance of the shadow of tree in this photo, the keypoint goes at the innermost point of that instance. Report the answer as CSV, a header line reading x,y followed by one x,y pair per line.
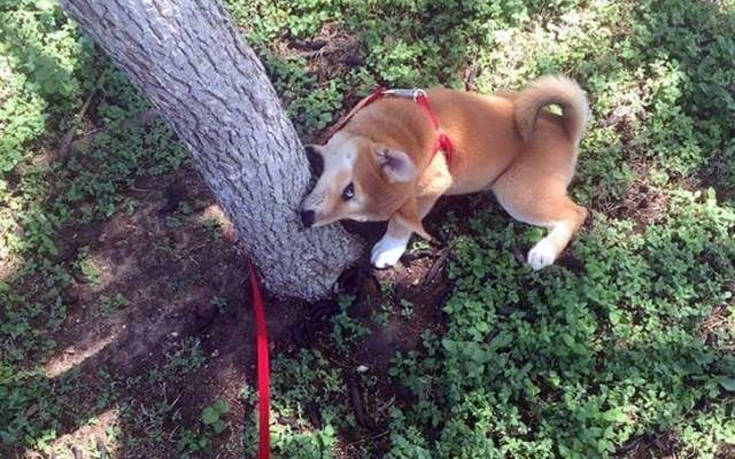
x,y
136,283
182,299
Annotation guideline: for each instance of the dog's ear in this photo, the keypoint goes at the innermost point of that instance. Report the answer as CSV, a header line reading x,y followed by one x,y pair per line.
x,y
408,216
396,165
315,156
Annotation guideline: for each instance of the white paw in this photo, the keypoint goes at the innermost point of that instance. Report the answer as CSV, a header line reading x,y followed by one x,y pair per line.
x,y
542,254
387,251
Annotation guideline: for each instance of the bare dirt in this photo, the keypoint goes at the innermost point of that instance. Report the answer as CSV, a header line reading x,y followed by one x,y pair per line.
x,y
182,279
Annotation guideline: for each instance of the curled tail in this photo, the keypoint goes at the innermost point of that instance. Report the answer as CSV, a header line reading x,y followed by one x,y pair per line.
x,y
552,90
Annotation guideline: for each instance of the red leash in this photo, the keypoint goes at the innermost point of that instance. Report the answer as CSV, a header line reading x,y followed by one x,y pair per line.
x,y
261,333
372,97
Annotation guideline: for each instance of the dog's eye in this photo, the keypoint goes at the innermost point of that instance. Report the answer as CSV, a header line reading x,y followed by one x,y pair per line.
x,y
349,192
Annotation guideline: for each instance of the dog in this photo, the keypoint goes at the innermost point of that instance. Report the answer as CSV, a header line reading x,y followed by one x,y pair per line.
x,y
382,162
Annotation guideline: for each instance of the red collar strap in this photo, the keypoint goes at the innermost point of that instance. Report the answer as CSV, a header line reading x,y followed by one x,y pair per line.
x,y
443,142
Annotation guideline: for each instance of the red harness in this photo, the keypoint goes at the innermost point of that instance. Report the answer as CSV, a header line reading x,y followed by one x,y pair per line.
x,y
443,142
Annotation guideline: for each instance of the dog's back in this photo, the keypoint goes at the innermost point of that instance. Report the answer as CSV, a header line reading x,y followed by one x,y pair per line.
x,y
490,132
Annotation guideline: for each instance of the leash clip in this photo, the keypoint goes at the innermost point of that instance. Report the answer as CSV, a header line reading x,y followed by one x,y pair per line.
x,y
419,94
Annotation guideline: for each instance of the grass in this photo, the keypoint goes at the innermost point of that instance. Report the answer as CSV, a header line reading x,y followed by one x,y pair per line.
x,y
626,345
586,358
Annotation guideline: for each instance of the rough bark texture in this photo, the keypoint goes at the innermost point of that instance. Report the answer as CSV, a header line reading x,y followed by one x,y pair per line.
x,y
209,85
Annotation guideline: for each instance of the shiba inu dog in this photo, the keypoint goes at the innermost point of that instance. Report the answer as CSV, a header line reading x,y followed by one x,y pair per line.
x,y
382,163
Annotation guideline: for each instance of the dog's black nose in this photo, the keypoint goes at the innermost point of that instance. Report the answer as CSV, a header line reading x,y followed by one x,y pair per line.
x,y
307,217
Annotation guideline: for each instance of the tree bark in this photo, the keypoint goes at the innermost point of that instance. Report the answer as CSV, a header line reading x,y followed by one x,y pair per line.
x,y
191,63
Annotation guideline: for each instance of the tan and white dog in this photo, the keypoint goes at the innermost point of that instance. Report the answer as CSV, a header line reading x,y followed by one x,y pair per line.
x,y
383,165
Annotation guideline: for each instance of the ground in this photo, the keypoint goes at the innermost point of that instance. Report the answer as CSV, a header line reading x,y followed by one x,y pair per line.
x,y
125,320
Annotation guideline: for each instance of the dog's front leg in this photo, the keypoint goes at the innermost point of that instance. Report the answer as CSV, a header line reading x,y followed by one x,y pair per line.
x,y
388,250
434,181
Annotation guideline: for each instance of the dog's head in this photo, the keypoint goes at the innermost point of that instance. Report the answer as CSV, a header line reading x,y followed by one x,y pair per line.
x,y
361,180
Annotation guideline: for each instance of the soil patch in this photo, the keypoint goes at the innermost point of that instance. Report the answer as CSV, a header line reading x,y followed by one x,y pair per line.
x,y
168,272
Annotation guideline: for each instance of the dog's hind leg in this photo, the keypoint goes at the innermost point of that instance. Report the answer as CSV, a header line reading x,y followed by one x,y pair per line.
x,y
558,213
561,231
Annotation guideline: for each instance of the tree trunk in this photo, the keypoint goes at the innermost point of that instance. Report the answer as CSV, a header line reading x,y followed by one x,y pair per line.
x,y
191,63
